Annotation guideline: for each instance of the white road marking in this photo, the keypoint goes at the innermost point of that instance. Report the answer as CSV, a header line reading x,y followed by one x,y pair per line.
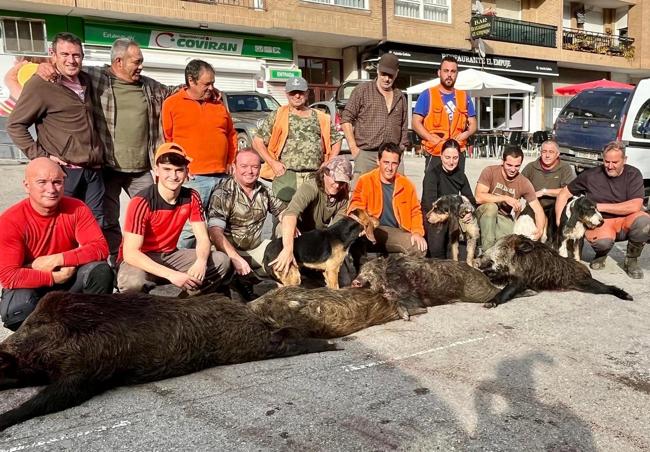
x,y
354,368
47,442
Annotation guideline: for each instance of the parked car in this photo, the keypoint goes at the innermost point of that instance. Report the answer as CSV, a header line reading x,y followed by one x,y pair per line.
x,y
247,109
595,117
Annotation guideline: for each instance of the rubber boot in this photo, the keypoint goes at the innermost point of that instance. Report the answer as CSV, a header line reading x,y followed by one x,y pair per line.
x,y
631,264
599,261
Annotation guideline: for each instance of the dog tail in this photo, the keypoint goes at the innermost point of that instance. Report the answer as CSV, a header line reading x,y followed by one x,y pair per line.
x,y
592,285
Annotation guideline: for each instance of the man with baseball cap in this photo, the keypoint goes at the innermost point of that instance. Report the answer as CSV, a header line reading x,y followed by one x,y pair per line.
x,y
376,114
294,141
154,221
322,200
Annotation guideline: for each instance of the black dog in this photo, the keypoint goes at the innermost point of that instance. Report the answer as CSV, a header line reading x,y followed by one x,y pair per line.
x,y
527,264
579,215
323,250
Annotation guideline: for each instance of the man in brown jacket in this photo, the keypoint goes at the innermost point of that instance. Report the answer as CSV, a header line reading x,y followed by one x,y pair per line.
x,y
63,115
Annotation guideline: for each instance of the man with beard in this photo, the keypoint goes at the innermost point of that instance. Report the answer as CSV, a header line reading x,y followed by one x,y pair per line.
x,y
618,191
294,141
376,114
443,112
198,120
498,191
548,174
238,208
154,220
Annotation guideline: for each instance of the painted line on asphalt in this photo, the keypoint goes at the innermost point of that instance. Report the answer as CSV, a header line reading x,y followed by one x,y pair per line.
x,y
67,436
355,367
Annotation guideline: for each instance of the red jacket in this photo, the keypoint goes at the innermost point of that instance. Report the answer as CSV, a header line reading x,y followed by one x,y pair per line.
x,y
368,195
26,235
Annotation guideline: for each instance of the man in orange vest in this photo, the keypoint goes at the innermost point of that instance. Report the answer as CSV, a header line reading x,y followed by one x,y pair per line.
x,y
443,112
294,141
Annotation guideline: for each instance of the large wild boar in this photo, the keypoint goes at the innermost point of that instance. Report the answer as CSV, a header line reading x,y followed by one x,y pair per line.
x,y
79,345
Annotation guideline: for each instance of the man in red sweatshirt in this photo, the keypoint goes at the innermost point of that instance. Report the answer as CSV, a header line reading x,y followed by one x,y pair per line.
x,y
48,242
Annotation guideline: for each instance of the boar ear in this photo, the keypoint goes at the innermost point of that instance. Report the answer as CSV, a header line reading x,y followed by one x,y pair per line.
x,y
524,245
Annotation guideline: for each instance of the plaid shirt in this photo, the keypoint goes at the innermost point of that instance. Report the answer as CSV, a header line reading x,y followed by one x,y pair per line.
x,y
104,109
373,123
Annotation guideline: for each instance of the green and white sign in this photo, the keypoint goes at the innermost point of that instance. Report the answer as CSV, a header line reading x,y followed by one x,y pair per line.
x,y
99,33
283,74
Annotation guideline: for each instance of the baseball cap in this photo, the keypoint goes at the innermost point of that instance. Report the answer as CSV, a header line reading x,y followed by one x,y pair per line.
x,y
388,64
340,169
170,148
296,84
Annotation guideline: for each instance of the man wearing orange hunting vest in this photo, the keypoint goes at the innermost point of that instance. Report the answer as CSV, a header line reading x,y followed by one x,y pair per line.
x,y
443,112
294,141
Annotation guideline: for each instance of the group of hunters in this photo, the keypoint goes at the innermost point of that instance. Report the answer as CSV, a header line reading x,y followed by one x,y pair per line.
x,y
198,204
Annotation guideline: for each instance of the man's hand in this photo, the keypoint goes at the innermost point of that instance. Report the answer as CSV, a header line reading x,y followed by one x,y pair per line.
x,y
284,260
197,270
47,71
538,234
184,281
48,263
278,167
467,218
241,266
55,159
63,274
355,150
418,241
512,202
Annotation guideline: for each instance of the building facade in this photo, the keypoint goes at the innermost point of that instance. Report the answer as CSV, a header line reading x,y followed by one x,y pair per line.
x,y
258,44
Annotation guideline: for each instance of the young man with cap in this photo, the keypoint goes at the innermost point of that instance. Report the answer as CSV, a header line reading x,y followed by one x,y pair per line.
x,y
376,114
154,221
322,200
443,112
294,141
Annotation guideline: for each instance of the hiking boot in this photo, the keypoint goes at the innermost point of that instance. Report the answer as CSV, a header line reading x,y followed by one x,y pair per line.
x,y
599,261
631,264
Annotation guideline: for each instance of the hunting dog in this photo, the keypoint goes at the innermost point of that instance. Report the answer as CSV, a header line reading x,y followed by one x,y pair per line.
x,y
525,225
529,265
80,345
323,250
579,214
452,209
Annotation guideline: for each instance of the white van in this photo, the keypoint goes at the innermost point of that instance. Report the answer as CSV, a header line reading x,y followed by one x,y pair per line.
x,y
635,131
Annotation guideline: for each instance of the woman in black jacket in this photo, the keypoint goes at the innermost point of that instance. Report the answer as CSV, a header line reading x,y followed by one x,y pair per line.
x,y
444,178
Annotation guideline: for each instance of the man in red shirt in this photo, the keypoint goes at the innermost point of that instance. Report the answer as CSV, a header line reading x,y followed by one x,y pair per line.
x,y
154,220
48,242
197,120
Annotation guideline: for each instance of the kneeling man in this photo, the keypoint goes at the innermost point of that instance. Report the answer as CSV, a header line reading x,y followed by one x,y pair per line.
x,y
154,221
48,242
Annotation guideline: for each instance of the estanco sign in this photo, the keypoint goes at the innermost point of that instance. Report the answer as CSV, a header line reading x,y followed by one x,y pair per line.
x,y
192,43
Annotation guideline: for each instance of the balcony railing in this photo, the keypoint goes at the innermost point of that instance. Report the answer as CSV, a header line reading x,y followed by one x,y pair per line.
x,y
250,4
511,30
592,42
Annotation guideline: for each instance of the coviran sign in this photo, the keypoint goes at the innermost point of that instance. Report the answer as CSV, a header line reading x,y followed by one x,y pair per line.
x,y
192,43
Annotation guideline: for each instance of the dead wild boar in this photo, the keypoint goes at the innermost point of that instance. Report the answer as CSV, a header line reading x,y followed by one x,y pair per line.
x,y
79,345
526,264
420,282
327,313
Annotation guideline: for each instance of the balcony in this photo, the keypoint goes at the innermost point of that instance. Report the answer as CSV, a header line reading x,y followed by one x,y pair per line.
x,y
602,43
511,30
250,4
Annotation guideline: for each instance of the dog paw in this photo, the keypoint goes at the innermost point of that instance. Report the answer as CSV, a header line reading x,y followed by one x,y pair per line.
x,y
490,304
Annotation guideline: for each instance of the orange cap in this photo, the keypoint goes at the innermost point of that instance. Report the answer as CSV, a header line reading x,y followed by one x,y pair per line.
x,y
171,148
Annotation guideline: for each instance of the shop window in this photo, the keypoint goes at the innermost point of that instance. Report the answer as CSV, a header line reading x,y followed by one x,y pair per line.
x,y
323,75
360,4
433,10
502,112
23,36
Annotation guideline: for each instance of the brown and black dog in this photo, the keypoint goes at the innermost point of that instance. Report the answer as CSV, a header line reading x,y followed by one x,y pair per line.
x,y
322,250
452,209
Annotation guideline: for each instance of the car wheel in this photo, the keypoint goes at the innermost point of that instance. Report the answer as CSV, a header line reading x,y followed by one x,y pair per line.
x,y
243,141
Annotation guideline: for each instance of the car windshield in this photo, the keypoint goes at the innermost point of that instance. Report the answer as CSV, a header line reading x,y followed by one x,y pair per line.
x,y
251,102
606,105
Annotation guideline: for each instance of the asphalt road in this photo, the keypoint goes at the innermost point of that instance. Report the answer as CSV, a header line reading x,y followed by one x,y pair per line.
x,y
556,372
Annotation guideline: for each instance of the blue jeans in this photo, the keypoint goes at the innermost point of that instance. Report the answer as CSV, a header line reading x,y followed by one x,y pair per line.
x,y
204,184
